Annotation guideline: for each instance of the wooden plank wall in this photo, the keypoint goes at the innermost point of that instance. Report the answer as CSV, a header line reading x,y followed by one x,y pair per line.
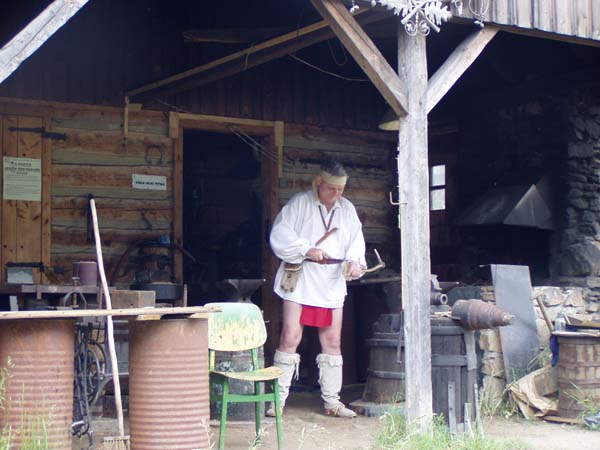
x,y
97,159
369,157
579,18
145,44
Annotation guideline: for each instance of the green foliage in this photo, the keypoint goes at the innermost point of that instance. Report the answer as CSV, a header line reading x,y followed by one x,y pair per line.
x,y
590,406
33,430
5,432
502,406
395,434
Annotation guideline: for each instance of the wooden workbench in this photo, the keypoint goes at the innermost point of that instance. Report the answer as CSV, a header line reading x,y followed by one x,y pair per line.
x,y
192,312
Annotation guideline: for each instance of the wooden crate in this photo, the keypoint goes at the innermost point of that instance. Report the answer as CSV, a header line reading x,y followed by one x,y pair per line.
x,y
132,299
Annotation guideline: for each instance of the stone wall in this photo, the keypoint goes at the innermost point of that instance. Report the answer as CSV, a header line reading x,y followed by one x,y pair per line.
x,y
517,143
570,301
577,248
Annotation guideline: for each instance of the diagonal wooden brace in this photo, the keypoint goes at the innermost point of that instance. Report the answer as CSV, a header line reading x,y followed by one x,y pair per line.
x,y
365,52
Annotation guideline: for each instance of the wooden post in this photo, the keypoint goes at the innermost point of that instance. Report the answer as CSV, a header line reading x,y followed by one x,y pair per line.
x,y
413,175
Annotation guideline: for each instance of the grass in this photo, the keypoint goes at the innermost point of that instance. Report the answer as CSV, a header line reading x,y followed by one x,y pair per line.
x,y
32,430
502,406
395,434
5,433
591,408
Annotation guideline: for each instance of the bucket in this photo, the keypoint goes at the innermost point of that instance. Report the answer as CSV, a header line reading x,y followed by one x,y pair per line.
x,y
87,272
385,375
578,375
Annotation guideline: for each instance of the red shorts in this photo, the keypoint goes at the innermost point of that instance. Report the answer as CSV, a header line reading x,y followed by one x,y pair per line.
x,y
315,316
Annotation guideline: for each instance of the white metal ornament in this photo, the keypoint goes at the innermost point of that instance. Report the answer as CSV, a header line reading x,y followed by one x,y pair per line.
x,y
420,16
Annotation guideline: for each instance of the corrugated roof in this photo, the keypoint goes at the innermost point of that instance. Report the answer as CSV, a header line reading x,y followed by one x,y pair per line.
x,y
576,18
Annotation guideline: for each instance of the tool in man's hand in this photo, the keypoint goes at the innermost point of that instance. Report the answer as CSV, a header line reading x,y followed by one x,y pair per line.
x,y
380,264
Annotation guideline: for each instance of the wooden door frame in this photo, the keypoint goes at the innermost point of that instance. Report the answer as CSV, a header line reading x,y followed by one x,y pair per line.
x,y
273,133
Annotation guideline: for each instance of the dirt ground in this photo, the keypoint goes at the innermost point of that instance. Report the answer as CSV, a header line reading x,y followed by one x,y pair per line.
x,y
306,428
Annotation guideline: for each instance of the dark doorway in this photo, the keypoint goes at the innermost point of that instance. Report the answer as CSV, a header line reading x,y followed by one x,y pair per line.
x,y
222,211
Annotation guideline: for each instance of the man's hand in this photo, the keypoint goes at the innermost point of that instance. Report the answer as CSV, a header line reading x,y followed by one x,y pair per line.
x,y
352,271
316,254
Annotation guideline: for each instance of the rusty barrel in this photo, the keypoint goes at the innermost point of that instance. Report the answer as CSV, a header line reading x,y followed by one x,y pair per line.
x,y
168,384
578,375
38,400
385,375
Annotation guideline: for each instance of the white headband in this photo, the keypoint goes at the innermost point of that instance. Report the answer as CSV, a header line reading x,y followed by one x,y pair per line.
x,y
339,181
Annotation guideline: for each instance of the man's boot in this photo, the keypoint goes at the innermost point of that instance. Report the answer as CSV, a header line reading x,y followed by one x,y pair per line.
x,y
330,379
289,363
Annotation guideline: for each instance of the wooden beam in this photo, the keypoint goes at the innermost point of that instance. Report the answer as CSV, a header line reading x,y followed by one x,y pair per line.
x,y
249,57
457,63
364,51
233,35
39,30
178,203
413,182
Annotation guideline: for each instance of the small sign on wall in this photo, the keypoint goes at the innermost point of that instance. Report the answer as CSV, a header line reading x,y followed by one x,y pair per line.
x,y
149,182
22,179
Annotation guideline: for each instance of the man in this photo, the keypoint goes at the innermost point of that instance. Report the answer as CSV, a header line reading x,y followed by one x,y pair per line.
x,y
319,239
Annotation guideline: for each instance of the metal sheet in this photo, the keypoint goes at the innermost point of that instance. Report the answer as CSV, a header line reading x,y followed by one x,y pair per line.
x,y
523,205
520,343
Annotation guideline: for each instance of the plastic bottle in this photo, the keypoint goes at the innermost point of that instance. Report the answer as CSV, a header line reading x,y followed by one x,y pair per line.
x,y
560,324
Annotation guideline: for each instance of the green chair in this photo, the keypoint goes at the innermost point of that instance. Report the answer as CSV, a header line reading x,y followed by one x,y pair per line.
x,y
238,327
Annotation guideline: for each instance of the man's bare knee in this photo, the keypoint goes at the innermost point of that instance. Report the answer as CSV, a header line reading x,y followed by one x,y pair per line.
x,y
331,345
290,339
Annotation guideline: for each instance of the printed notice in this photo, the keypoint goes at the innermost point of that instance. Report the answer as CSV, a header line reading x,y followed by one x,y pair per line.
x,y
151,182
22,179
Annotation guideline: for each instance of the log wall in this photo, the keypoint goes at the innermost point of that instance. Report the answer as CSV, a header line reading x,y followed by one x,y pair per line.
x,y
95,158
369,158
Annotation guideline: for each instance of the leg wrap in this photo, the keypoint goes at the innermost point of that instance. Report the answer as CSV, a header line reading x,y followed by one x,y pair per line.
x,y
330,378
289,363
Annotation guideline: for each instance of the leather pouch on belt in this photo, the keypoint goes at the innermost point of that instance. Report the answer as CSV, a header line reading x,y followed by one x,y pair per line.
x,y
291,273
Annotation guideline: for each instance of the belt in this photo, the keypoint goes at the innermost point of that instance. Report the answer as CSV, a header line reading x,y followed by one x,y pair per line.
x,y
326,261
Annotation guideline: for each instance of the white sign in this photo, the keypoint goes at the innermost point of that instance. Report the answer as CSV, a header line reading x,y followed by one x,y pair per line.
x,y
151,182
22,179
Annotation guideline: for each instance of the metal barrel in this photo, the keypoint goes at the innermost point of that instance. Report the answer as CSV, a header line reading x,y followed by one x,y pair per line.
x,y
168,384
578,375
38,401
478,315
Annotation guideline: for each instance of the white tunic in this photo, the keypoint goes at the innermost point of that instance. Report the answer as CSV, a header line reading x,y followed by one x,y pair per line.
x,y
297,228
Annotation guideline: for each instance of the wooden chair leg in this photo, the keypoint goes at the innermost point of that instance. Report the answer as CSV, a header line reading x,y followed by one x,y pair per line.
x,y
278,421
258,410
224,403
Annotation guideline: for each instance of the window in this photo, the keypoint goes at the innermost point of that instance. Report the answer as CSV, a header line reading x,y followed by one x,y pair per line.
x,y
437,187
